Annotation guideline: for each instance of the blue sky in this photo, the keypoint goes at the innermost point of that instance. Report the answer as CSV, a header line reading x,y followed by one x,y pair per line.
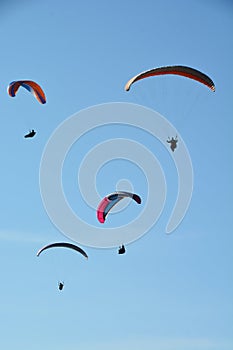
x,y
168,292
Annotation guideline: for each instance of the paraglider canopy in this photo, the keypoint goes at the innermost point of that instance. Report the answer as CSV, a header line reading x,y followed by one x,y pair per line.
x,y
31,86
177,70
112,199
63,245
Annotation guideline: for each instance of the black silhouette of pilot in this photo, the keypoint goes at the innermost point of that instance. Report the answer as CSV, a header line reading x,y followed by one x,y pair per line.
x,y
121,250
31,133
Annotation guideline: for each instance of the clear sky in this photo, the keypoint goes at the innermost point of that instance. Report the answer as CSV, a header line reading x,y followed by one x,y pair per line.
x,y
168,292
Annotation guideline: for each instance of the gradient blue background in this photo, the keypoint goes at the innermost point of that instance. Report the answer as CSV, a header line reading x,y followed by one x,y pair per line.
x,y
168,292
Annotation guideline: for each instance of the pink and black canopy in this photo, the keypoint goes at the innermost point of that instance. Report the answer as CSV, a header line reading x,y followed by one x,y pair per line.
x,y
112,199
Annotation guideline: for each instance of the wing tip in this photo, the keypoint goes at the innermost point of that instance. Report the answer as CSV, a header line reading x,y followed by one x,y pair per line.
x,y
100,218
137,198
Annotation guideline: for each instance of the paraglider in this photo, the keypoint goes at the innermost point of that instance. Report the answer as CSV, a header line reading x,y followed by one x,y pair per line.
x,y
121,249
64,245
173,143
112,199
31,86
31,133
177,70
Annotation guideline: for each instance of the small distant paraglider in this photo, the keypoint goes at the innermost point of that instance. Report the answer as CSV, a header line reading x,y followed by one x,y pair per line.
x,y
108,202
31,134
63,245
176,70
31,86
173,143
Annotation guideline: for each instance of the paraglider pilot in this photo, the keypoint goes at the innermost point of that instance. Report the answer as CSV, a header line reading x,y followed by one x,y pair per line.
x,y
30,134
60,285
121,249
173,143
